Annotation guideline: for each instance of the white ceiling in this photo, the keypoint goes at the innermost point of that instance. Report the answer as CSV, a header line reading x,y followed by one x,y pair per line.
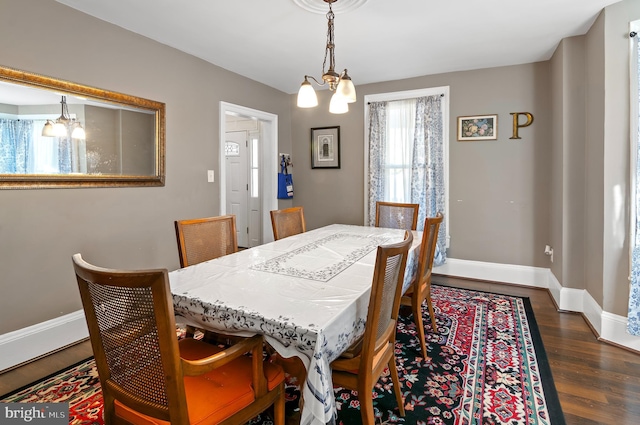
x,y
277,42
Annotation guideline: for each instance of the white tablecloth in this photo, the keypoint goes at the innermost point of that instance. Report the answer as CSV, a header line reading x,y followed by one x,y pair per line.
x,y
307,294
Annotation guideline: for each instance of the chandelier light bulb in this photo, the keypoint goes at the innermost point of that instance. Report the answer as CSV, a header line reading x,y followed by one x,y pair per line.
x,y
307,97
59,129
47,130
78,132
346,89
338,104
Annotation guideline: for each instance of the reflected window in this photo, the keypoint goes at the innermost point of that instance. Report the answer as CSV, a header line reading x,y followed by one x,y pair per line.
x,y
23,150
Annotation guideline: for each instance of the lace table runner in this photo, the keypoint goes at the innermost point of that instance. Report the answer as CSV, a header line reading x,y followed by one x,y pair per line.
x,y
323,259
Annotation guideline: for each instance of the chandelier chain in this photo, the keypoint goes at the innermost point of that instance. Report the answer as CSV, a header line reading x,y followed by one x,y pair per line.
x,y
330,43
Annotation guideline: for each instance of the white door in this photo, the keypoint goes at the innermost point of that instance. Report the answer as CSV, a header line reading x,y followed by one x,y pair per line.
x,y
264,165
237,182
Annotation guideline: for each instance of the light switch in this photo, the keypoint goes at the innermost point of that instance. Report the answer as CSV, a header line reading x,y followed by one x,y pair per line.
x,y
210,176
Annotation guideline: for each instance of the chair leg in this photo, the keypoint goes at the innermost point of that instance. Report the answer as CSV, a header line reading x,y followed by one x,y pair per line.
x,y
109,411
366,406
278,408
417,317
432,314
190,331
396,384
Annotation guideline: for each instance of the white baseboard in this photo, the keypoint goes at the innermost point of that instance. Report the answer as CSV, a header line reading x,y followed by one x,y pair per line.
x,y
614,329
610,327
506,273
34,341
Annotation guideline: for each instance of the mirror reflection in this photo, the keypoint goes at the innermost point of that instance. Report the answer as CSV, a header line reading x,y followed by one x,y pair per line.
x,y
56,133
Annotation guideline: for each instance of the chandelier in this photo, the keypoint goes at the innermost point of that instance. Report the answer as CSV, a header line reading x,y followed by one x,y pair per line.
x,y
341,84
64,123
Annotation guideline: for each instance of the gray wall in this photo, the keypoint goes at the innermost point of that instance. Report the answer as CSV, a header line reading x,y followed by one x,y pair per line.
x,y
594,154
568,92
121,227
590,157
499,190
556,219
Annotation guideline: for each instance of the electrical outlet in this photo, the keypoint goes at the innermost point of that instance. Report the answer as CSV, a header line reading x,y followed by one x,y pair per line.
x,y
210,176
548,251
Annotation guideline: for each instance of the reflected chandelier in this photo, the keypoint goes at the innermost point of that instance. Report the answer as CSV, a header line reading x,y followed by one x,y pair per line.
x,y
341,84
60,127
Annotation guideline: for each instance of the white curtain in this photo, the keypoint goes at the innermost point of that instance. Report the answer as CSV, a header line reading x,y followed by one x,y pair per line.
x,y
45,152
406,158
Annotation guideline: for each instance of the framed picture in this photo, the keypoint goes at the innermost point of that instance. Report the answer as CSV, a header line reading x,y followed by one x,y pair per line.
x,y
325,147
477,127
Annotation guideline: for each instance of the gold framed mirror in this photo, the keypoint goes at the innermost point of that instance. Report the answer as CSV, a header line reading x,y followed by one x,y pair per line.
x,y
56,133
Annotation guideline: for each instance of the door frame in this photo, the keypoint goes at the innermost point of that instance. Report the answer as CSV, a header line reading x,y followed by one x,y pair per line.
x,y
268,168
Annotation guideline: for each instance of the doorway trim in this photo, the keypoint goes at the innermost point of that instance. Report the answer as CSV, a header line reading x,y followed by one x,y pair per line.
x,y
268,161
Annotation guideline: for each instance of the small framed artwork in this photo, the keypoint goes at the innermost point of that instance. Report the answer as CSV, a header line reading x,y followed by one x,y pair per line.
x,y
477,127
325,147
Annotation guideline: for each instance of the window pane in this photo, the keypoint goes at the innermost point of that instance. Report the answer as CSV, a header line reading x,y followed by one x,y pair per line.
x,y
254,183
231,149
254,153
399,149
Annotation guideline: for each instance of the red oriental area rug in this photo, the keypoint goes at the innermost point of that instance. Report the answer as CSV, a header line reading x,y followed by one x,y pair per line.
x,y
486,365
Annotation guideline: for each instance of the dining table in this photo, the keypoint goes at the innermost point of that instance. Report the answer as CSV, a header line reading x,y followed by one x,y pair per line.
x,y
307,294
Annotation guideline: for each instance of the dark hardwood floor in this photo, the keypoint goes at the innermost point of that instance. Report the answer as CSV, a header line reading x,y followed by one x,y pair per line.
x,y
597,383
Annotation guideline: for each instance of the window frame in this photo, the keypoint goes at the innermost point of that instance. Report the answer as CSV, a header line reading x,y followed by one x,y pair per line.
x,y
403,95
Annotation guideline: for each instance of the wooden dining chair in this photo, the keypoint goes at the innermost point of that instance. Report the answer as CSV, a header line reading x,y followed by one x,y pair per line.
x,y
148,376
288,222
203,239
397,215
360,367
420,289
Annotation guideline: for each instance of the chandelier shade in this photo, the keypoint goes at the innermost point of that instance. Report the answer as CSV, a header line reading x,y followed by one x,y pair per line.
x,y
307,95
346,89
340,84
78,132
47,130
338,104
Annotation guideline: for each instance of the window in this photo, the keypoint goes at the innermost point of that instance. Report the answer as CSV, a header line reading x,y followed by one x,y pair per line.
x,y
231,149
255,167
23,149
406,153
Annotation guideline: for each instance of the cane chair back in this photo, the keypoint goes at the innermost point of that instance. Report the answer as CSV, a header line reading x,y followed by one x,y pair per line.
x,y
148,376
288,222
360,367
204,239
420,289
395,215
